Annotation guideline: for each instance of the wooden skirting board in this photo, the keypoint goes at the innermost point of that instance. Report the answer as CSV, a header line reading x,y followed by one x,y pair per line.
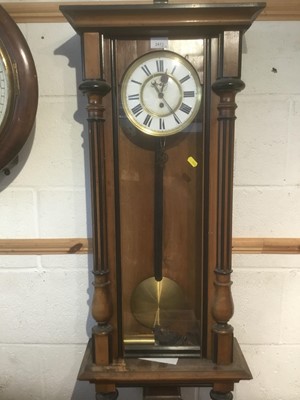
x,y
276,10
84,245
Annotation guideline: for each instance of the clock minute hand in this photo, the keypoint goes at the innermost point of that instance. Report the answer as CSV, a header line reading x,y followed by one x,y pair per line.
x,y
161,96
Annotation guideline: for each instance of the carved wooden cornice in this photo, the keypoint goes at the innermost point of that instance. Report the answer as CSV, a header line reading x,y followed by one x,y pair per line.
x,y
276,10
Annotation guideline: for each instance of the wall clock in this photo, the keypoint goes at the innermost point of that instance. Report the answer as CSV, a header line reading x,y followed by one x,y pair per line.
x,y
18,90
161,82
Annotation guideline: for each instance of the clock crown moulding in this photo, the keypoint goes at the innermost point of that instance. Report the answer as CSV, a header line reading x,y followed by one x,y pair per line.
x,y
187,19
19,91
24,12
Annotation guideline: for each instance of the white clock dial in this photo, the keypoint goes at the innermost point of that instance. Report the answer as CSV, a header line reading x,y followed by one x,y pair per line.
x,y
161,93
5,89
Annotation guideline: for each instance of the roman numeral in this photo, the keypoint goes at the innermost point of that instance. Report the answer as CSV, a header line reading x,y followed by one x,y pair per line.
x,y
146,70
162,124
189,93
160,65
137,110
133,96
184,79
137,82
148,120
185,108
173,70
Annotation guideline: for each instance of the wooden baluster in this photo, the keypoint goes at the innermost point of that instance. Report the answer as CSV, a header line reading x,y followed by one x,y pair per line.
x,y
101,304
96,88
226,89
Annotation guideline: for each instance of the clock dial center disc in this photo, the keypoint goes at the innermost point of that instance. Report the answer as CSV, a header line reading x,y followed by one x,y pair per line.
x,y
161,99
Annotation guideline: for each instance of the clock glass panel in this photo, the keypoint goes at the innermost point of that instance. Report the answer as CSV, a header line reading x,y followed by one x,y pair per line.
x,y
160,146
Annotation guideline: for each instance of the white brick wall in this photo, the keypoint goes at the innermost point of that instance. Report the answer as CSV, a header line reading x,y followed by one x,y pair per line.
x,y
44,301
267,204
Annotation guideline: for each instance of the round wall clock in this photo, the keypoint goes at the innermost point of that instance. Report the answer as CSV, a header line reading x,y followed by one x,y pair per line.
x,y
18,90
161,93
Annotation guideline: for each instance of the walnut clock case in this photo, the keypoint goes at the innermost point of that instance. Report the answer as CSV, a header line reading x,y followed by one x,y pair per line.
x,y
161,82
18,90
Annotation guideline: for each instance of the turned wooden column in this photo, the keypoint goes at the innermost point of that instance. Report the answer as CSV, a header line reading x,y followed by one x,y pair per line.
x,y
101,305
226,87
95,87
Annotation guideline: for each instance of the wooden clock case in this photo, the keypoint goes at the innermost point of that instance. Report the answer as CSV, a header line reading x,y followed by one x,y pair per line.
x,y
122,181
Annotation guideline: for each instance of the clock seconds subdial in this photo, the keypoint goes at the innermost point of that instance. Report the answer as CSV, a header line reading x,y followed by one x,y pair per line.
x,y
161,93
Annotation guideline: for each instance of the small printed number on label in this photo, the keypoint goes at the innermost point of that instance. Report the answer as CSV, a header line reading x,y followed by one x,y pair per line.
x,y
159,43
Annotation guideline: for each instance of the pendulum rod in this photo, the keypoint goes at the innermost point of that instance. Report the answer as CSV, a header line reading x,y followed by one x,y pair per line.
x,y
155,299
160,160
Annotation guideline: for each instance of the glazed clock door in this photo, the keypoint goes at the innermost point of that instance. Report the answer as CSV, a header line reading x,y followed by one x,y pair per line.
x,y
160,152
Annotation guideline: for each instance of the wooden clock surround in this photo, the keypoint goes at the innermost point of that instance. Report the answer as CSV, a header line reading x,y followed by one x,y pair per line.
x,y
108,33
24,92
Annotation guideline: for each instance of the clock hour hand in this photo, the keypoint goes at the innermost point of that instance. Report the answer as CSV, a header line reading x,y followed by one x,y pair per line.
x,y
164,80
155,85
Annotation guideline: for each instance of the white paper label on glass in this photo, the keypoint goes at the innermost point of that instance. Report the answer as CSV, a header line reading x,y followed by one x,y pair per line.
x,y
159,43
